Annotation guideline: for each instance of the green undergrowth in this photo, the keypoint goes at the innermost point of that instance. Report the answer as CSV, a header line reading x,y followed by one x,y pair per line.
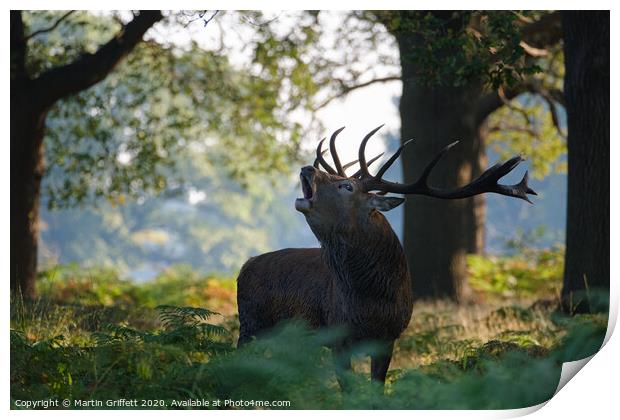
x,y
92,336
529,273
178,285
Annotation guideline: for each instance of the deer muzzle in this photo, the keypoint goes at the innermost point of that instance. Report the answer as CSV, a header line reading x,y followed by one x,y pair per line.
x,y
307,187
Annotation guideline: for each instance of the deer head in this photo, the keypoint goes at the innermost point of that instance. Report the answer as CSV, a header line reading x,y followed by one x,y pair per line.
x,y
334,201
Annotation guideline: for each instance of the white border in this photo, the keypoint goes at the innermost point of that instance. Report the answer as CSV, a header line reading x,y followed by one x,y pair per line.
x,y
591,395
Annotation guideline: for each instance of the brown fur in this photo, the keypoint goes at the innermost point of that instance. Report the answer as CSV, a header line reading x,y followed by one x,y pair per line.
x,y
358,279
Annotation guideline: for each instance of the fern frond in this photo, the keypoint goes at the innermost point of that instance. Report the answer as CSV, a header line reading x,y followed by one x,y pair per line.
x,y
176,317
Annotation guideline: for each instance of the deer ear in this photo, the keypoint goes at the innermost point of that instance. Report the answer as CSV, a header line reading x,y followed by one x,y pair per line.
x,y
384,203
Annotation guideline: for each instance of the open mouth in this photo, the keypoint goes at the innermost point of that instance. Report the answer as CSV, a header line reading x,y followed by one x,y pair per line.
x,y
305,204
306,187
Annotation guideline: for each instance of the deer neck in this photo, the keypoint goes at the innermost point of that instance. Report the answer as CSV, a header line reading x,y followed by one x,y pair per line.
x,y
367,259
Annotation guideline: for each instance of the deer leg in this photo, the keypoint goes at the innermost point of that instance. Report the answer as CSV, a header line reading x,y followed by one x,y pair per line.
x,y
250,323
380,362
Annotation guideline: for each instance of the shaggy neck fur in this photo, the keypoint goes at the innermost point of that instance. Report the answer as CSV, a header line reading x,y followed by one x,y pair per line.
x,y
367,258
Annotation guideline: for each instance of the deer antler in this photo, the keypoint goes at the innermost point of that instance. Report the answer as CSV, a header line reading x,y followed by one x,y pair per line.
x,y
340,169
332,150
486,182
321,160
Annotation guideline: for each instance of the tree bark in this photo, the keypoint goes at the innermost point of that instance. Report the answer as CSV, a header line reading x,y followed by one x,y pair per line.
x,y
27,167
438,234
27,122
30,102
586,90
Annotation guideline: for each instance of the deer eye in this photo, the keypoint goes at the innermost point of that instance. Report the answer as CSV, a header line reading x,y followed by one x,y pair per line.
x,y
347,187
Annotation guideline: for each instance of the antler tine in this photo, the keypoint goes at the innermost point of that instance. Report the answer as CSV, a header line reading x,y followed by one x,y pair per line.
x,y
427,171
316,161
370,162
391,160
321,160
486,182
334,152
362,157
348,165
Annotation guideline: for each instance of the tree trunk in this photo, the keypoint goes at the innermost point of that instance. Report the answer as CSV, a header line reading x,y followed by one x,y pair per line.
x,y
27,124
27,167
438,234
30,101
477,206
586,89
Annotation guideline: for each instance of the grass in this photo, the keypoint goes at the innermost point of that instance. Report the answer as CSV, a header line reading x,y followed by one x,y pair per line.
x,y
93,336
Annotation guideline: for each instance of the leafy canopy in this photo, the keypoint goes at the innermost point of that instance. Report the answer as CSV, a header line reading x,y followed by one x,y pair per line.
x,y
120,137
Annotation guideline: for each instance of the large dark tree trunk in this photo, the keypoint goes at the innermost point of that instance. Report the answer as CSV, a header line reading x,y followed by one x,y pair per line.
x,y
30,101
438,234
27,166
586,89
27,124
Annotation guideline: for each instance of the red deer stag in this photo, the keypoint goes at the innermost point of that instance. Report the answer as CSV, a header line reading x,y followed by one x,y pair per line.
x,y
358,279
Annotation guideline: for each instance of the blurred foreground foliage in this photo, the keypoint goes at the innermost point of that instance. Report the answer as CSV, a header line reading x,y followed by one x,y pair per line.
x,y
93,336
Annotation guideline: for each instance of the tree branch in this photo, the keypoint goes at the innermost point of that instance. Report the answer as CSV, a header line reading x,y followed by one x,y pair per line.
x,y
512,106
554,113
492,101
51,28
90,69
533,51
536,35
544,32
201,16
347,89
523,129
556,94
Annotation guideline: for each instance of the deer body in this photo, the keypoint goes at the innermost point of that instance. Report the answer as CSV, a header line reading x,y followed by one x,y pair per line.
x,y
285,284
359,278
357,281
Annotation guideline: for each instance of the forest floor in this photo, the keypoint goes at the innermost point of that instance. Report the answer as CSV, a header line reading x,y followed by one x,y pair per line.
x,y
170,343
